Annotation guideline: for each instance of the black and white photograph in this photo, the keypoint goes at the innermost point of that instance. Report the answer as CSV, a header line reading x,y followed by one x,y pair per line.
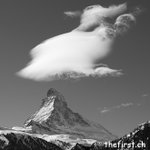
x,y
74,75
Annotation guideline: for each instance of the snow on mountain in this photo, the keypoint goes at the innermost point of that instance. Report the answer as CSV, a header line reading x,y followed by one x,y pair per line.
x,y
56,127
17,140
138,139
55,117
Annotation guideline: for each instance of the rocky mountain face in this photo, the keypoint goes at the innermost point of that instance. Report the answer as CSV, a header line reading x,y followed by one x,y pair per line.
x,y
55,117
56,127
15,140
138,139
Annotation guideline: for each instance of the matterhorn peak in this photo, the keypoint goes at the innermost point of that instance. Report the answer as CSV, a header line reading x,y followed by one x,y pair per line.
x,y
52,92
55,117
54,99
50,108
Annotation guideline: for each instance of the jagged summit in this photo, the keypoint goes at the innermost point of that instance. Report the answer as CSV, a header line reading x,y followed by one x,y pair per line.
x,y
55,117
53,92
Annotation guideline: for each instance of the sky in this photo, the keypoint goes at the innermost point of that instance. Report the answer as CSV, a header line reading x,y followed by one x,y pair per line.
x,y
117,103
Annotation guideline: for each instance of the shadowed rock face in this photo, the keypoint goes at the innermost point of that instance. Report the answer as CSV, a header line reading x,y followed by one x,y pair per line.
x,y
10,140
55,117
138,139
54,92
140,136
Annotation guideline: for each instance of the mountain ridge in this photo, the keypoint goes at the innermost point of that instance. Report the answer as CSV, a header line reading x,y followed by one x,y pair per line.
x,y
55,117
18,140
55,126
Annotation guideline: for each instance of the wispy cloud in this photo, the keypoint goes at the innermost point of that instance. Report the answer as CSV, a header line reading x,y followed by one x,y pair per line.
x,y
105,110
109,109
141,101
74,54
145,95
73,13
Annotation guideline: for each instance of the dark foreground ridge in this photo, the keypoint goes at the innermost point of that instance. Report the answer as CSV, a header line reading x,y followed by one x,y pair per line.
x,y
56,127
21,141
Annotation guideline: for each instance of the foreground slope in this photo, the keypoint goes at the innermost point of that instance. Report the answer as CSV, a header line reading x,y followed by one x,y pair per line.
x,y
138,139
15,140
18,140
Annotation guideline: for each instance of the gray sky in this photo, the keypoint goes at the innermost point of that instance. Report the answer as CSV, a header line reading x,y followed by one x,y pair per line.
x,y
26,23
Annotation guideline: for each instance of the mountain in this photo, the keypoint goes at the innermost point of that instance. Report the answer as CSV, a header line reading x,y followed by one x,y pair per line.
x,y
15,140
55,117
138,139
56,127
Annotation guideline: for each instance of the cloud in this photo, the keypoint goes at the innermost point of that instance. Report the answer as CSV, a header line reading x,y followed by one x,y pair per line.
x,y
72,13
145,95
74,54
105,110
109,109
139,103
96,15
125,105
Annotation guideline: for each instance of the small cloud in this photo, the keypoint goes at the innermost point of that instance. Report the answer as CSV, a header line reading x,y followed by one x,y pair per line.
x,y
145,95
109,109
106,71
105,110
126,105
72,14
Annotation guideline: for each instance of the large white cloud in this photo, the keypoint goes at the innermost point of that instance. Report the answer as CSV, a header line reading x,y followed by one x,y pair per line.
x,y
74,54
